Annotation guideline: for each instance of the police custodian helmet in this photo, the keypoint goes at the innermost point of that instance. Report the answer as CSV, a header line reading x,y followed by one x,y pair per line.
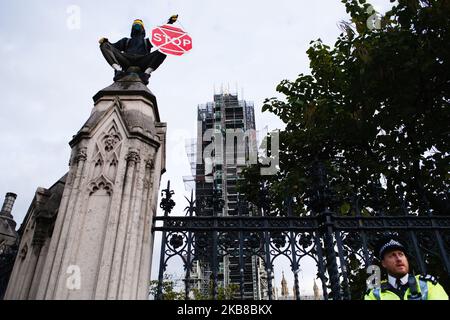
x,y
389,243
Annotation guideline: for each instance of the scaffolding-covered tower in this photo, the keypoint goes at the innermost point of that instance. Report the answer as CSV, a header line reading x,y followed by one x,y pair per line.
x,y
225,145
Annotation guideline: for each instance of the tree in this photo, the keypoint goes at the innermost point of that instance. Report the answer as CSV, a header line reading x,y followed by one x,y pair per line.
x,y
223,293
374,108
169,293
168,289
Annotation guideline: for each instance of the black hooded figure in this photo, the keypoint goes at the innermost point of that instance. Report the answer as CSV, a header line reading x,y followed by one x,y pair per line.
x,y
133,52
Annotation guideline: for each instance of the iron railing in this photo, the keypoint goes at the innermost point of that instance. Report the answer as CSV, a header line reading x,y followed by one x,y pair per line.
x,y
334,241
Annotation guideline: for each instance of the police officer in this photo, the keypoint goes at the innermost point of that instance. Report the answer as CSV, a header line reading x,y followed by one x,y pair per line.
x,y
401,285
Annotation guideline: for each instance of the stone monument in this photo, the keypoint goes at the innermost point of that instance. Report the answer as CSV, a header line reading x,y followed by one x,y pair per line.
x,y
89,235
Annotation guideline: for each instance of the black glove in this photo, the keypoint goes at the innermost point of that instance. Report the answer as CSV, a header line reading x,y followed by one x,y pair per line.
x,y
173,19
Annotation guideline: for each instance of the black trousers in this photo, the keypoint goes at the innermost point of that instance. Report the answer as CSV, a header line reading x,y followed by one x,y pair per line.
x,y
126,60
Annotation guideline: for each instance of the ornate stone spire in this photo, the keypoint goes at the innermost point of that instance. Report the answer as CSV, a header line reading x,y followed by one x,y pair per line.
x,y
316,291
8,204
101,243
7,223
284,287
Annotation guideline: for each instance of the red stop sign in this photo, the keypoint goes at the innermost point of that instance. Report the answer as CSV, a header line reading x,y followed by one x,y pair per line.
x,y
171,40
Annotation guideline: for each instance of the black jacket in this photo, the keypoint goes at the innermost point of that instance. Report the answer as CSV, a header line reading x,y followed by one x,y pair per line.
x,y
138,44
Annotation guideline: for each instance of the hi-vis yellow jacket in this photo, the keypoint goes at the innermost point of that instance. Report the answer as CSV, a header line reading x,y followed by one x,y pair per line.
x,y
427,288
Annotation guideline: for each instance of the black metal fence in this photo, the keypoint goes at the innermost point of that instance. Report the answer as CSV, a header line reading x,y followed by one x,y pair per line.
x,y
340,244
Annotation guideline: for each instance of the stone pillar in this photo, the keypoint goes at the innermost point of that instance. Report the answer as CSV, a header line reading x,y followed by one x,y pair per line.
x,y
8,233
8,242
101,245
8,204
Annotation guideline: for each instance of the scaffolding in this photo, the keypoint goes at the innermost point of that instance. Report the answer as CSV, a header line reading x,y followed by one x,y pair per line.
x,y
217,175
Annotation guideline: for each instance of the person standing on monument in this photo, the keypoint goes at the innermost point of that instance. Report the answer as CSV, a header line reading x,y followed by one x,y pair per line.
x,y
133,52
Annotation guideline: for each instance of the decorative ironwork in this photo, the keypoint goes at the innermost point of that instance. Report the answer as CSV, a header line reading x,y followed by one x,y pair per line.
x,y
335,239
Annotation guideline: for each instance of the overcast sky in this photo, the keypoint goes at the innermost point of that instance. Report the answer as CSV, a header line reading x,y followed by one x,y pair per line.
x,y
50,71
